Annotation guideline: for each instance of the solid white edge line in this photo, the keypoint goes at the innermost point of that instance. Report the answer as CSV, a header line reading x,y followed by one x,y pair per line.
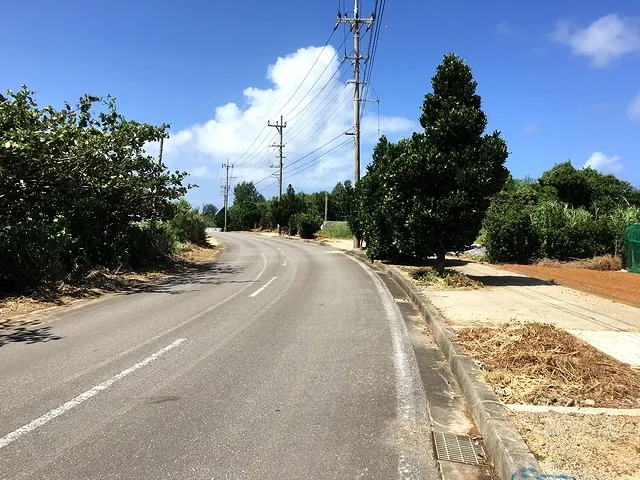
x,y
65,407
414,460
262,288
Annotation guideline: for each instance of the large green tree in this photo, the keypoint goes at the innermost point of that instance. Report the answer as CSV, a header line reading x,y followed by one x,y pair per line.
x,y
245,210
433,189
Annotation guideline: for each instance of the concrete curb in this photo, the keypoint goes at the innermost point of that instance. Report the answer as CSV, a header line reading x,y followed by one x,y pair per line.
x,y
502,441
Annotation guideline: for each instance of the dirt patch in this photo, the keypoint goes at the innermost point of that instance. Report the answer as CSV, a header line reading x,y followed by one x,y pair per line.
x,y
588,447
427,278
619,286
544,365
101,281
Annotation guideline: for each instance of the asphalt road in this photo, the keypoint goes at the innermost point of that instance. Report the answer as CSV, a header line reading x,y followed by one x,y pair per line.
x,y
284,360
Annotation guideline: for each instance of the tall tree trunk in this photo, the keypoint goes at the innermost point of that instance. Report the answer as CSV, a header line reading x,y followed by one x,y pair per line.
x,y
440,262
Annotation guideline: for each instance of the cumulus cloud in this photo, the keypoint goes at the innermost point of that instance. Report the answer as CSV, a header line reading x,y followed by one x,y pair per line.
x,y
604,41
309,91
603,163
633,108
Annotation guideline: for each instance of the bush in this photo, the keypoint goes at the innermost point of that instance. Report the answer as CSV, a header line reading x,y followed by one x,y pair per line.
x,y
509,237
149,243
307,224
33,252
292,228
337,230
188,224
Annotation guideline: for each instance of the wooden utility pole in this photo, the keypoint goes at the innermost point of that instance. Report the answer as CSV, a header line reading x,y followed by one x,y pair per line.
x,y
354,24
225,192
279,126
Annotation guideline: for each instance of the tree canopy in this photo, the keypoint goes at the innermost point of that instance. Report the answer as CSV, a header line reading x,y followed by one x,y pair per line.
x,y
75,184
428,194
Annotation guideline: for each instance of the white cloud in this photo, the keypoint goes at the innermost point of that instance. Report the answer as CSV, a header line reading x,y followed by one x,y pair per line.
x,y
605,40
506,30
317,113
633,109
603,163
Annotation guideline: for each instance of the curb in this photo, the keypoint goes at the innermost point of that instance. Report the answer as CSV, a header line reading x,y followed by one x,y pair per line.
x,y
502,440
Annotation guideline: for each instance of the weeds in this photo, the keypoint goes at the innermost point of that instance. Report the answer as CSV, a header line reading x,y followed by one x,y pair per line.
x,y
337,230
449,279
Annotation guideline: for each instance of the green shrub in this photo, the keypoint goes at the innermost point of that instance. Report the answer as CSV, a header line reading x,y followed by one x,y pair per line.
x,y
292,228
337,230
33,252
308,224
509,237
188,224
150,242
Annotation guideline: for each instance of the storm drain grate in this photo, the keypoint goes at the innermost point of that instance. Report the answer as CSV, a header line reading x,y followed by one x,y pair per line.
x,y
459,448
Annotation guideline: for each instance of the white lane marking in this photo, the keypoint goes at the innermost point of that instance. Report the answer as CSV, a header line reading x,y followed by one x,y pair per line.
x,y
285,257
261,289
264,267
65,407
414,460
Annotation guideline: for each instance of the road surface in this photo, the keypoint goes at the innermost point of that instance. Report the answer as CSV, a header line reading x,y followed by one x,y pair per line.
x,y
284,360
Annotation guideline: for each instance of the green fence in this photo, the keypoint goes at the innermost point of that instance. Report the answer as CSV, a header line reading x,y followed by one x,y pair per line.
x,y
633,248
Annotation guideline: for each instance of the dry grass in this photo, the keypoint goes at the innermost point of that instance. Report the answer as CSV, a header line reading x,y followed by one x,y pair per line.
x,y
100,281
450,279
588,447
604,263
536,363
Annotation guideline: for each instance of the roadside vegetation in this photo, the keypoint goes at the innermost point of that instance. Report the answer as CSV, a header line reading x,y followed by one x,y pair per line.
x,y
566,214
79,193
337,230
297,213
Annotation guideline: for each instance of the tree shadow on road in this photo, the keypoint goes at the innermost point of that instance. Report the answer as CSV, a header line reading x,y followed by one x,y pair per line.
x,y
29,332
509,281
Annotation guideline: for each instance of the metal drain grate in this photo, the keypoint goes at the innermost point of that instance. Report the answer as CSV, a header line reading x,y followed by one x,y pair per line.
x,y
459,448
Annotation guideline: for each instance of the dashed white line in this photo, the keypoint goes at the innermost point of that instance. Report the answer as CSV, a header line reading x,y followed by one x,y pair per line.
x,y
284,264
65,407
262,288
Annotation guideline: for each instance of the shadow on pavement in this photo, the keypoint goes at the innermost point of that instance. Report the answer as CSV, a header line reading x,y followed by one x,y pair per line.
x,y
509,281
26,332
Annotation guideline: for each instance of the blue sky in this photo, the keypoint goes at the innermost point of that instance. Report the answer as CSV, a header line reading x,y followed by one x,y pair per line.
x,y
559,79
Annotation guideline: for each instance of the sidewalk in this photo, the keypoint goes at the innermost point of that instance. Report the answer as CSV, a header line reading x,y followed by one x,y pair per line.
x,y
611,327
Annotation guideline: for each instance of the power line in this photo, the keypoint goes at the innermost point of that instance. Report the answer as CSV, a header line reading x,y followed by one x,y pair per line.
x,y
290,98
314,151
314,161
319,77
337,89
339,112
320,120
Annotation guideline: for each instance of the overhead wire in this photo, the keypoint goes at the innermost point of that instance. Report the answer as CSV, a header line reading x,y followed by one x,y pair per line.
x,y
319,131
238,160
319,118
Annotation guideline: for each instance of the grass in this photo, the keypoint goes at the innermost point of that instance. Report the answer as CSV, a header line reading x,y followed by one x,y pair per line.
x,y
337,230
449,279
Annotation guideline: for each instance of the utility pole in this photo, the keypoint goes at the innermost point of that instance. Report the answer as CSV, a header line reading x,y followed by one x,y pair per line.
x,y
225,192
279,126
326,205
354,24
